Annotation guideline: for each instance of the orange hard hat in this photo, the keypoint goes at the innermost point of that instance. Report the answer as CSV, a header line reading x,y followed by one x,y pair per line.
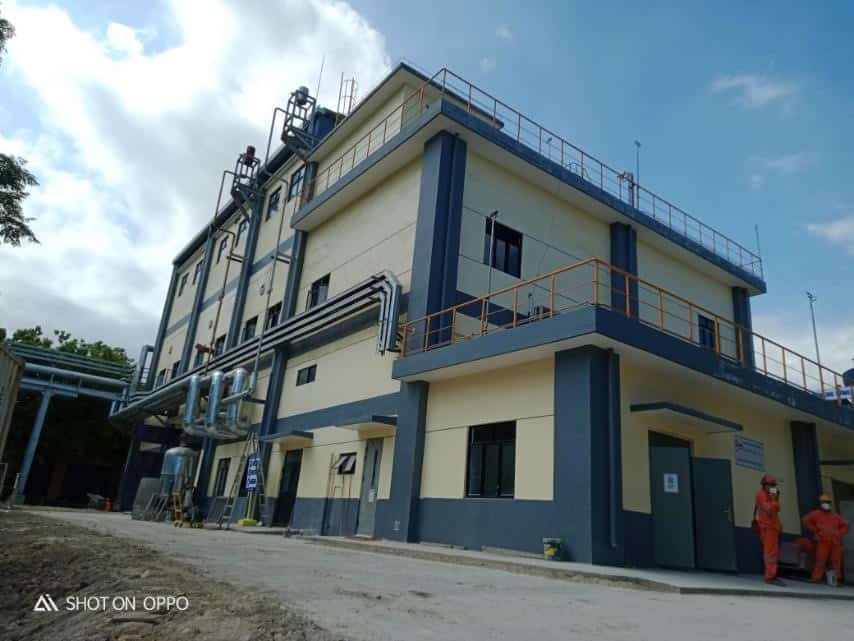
x,y
768,480
824,498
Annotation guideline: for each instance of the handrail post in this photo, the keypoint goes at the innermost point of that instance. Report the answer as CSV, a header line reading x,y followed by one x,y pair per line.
x,y
821,378
690,322
427,333
552,297
804,372
740,336
405,341
838,389
596,283
717,335
785,371
453,324
515,305
660,309
483,316
628,298
764,357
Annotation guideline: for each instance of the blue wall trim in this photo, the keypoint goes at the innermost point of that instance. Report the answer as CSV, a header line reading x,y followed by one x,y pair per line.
x,y
246,270
328,516
624,255
189,340
742,316
345,414
162,331
805,453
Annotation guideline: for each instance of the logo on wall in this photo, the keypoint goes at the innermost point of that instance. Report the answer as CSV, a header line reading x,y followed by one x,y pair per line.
x,y
45,603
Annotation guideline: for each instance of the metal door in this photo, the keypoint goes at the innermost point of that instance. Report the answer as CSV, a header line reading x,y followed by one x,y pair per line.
x,y
288,487
672,506
713,514
370,483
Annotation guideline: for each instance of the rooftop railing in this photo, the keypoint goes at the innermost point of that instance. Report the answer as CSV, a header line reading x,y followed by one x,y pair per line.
x,y
595,283
543,141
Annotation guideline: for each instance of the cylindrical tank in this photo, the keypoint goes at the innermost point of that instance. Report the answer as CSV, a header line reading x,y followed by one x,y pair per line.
x,y
179,466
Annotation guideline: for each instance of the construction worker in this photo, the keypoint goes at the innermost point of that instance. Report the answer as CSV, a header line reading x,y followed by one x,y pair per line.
x,y
766,516
828,528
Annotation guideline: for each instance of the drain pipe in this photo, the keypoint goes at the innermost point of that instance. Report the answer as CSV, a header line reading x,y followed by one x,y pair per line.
x,y
192,407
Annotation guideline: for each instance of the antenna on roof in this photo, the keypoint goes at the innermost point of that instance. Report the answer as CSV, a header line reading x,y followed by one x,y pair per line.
x,y
347,91
320,75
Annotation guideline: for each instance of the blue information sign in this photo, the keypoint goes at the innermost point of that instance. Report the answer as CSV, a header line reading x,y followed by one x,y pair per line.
x,y
749,453
251,473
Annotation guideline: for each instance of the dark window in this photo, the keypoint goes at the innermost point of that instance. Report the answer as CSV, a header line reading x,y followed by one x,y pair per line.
x,y
272,318
219,346
306,375
183,283
297,179
273,204
197,271
174,371
492,460
346,463
200,359
318,292
221,476
506,249
707,332
241,229
223,245
249,328
161,376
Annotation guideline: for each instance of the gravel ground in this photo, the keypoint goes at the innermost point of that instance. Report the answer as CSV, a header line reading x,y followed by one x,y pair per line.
x,y
39,555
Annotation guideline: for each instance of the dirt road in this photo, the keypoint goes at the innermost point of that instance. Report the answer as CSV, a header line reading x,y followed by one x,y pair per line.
x,y
39,556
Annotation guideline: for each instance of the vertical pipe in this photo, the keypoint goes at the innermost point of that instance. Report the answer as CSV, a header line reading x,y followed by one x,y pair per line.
x,y
32,445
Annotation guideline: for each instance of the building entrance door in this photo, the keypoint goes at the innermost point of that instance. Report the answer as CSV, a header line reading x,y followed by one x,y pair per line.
x,y
672,501
713,514
288,488
370,485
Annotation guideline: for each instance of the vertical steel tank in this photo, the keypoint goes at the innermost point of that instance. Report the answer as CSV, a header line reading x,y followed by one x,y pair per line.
x,y
178,469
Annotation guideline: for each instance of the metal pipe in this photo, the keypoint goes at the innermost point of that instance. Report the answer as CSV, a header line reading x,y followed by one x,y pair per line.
x,y
214,396
237,391
67,373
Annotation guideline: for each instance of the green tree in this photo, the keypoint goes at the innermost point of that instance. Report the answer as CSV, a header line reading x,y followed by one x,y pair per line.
x,y
66,343
14,179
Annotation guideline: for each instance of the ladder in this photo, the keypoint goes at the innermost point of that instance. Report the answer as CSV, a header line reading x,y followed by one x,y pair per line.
x,y
178,509
250,449
155,508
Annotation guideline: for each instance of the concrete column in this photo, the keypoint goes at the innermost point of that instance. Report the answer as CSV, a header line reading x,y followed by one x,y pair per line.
x,y
624,255
588,460
32,445
400,521
198,300
742,316
161,330
807,465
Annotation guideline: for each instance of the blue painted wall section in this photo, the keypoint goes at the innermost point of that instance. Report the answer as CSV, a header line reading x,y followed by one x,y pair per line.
x,y
189,340
139,464
587,482
400,522
624,255
437,231
807,465
742,316
234,326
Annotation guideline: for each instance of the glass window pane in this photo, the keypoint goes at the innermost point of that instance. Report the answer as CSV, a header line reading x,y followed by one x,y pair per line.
x,y
508,468
492,453
475,469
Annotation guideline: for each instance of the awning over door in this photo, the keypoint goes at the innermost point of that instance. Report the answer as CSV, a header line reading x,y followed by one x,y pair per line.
x,y
707,423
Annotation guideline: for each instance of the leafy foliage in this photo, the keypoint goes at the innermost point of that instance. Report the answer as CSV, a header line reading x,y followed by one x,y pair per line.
x,y
65,343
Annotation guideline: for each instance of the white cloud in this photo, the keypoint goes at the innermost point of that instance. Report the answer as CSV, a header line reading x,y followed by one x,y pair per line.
x,y
756,91
488,64
129,145
756,181
783,165
504,33
839,232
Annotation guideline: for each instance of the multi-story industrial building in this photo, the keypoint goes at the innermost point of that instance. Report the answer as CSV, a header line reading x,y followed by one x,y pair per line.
x,y
466,330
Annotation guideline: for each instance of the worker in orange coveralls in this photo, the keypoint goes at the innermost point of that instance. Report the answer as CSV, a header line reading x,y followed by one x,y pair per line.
x,y
766,514
828,528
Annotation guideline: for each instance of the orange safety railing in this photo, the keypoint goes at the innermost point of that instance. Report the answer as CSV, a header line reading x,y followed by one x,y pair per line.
x,y
523,130
594,282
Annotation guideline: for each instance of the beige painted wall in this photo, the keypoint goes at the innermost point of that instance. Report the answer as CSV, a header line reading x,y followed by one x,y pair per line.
x,y
771,428
347,370
375,233
171,351
835,444
231,451
256,295
524,393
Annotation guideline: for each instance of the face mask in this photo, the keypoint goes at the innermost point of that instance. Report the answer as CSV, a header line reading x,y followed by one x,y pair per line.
x,y
773,491
825,506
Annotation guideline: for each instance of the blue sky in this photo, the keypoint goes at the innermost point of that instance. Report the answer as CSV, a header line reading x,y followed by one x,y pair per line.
x,y
744,113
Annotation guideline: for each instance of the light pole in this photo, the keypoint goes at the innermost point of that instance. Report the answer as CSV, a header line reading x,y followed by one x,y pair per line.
x,y
491,219
812,298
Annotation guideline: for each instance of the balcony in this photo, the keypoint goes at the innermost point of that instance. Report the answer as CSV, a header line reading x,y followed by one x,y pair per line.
x,y
448,86
595,284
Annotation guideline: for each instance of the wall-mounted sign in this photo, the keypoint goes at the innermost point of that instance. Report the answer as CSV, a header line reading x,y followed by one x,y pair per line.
x,y
671,483
251,473
749,453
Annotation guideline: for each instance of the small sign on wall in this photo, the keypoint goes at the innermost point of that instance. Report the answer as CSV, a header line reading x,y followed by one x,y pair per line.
x,y
749,453
671,483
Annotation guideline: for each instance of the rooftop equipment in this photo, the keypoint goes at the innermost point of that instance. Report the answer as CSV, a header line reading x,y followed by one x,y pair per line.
x,y
298,114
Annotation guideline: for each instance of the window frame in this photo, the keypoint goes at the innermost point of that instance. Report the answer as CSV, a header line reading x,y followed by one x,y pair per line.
x,y
483,451
306,375
197,270
223,244
296,183
271,320
273,203
161,378
503,234
242,226
173,372
318,288
246,326
199,360
219,346
183,284
706,335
